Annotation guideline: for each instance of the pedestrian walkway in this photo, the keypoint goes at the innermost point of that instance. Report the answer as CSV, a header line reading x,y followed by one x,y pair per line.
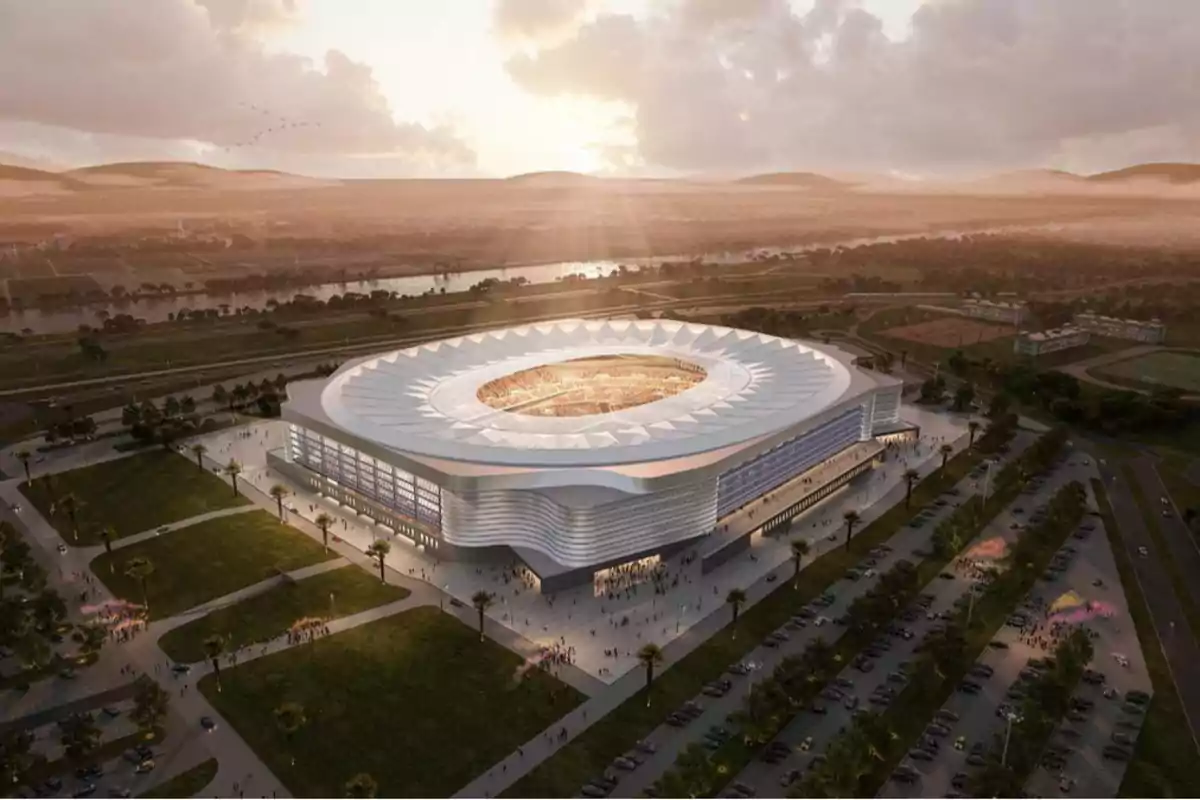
x,y
126,541
159,627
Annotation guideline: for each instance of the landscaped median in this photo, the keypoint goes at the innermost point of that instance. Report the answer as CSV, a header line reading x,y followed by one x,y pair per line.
x,y
188,783
1164,761
337,593
591,752
947,657
190,566
1047,701
129,495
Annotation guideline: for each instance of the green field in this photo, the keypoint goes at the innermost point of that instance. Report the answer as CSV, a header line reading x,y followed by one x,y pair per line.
x,y
133,495
1179,370
204,561
338,593
416,700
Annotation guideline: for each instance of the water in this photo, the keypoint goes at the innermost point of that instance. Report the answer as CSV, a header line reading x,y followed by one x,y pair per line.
x,y
161,309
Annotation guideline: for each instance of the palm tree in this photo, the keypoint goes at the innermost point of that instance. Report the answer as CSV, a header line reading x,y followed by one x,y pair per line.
x,y
910,478
279,491
649,656
290,718
199,450
482,601
23,456
140,569
946,451
214,647
379,550
70,504
233,469
800,548
852,518
735,599
107,533
323,522
972,429
361,785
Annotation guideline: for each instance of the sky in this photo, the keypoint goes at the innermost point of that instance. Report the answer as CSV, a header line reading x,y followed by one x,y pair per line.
x,y
462,88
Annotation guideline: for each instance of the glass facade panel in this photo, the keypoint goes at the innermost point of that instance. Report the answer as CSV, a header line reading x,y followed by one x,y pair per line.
x,y
751,480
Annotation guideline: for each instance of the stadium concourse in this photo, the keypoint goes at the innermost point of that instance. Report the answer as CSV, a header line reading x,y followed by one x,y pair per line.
x,y
605,631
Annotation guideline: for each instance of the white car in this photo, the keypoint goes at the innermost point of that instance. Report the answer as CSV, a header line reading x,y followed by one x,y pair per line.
x,y
1143,552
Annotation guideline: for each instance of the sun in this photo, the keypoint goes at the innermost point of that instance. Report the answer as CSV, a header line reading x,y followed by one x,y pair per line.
x,y
582,158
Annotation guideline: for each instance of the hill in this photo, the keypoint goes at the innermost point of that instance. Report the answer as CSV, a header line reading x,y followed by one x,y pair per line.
x,y
803,180
554,178
1165,172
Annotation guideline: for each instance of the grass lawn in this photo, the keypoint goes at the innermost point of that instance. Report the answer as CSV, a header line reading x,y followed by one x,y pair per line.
x,y
133,495
1172,468
587,755
201,562
271,613
188,783
1164,760
1163,368
414,700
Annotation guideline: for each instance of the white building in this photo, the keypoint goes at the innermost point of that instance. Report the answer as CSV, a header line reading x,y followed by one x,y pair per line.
x,y
1151,331
1007,313
1050,341
581,445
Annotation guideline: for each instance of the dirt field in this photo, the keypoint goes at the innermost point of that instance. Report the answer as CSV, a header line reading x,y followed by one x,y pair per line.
x,y
950,332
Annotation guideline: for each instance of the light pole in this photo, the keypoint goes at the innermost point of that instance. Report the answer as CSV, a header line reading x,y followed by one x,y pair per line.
x,y
970,603
987,482
679,616
1010,718
332,605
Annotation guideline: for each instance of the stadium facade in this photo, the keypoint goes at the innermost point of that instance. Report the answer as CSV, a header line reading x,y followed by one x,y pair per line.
x,y
581,445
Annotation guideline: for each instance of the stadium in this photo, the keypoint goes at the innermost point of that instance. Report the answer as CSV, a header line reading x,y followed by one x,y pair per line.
x,y
579,446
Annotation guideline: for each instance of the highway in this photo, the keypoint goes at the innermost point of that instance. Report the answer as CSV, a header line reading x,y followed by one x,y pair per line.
x,y
1178,643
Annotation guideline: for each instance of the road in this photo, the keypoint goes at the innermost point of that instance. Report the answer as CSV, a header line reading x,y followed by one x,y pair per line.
x,y
1176,637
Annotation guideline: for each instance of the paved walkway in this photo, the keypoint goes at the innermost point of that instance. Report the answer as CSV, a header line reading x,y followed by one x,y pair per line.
x,y
126,541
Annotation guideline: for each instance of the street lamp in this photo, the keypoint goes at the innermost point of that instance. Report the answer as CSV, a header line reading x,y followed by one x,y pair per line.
x,y
970,603
1010,718
987,481
683,608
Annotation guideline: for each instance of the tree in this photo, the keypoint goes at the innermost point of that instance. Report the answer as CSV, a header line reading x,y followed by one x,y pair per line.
x,y
361,785
963,396
379,550
482,601
649,656
23,456
187,404
171,406
80,735
911,476
198,450
233,469
946,451
150,703
48,609
851,518
140,569
289,718
972,430
70,504
214,648
93,638
16,757
800,548
221,397
279,491
107,533
1000,404
323,522
957,363
736,598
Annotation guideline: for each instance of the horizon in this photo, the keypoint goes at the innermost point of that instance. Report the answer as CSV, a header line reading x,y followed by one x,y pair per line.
x,y
907,89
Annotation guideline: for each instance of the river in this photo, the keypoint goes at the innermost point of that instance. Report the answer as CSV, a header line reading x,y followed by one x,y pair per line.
x,y
160,309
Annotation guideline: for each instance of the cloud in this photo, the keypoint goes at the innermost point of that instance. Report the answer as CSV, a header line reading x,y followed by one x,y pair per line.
x,y
190,71
542,21
979,84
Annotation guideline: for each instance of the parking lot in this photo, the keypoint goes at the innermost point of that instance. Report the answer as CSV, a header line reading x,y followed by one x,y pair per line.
x,y
1088,589
708,713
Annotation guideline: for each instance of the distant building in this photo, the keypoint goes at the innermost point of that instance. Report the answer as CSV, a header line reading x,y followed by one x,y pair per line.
x,y
1008,313
1051,341
1152,331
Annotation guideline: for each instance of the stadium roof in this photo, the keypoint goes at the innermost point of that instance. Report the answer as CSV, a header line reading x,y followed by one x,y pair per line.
x,y
423,400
